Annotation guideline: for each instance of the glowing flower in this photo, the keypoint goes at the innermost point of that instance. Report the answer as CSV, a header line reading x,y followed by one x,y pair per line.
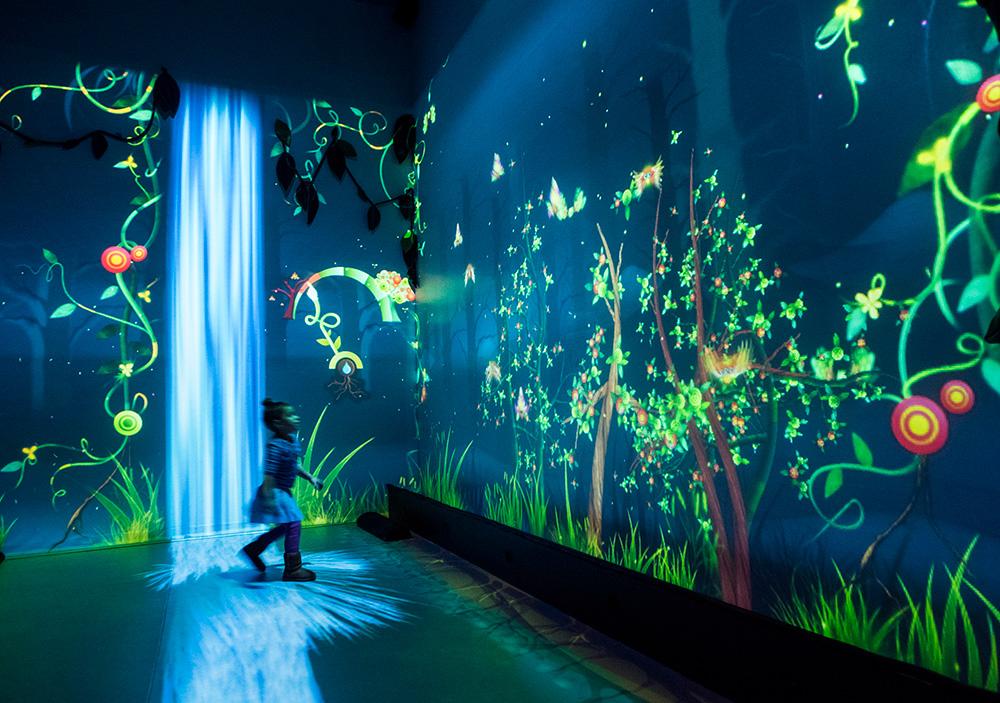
x,y
492,371
145,295
920,425
957,397
458,236
849,10
988,95
126,369
870,303
470,274
30,453
139,253
294,276
115,259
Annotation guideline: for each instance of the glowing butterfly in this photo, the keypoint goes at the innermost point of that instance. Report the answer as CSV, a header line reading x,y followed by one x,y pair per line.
x,y
497,168
458,236
470,274
650,175
521,406
492,372
727,367
557,206
675,134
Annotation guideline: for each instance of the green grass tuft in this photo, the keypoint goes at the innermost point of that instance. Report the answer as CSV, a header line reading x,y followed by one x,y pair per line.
x,y
842,614
628,551
438,477
502,503
536,506
135,517
5,528
672,565
935,641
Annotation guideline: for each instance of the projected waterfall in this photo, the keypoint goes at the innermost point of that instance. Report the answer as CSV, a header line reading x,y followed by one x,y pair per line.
x,y
215,324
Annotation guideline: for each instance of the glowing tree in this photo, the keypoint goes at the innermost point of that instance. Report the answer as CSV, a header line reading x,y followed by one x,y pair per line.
x,y
718,395
516,388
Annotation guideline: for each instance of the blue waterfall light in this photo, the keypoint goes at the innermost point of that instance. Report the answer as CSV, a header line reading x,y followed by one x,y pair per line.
x,y
215,317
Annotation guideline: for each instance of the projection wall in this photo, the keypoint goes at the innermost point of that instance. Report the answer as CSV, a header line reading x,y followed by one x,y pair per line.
x,y
705,290
163,275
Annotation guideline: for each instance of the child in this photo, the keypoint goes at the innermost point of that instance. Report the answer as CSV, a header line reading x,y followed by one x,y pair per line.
x,y
274,502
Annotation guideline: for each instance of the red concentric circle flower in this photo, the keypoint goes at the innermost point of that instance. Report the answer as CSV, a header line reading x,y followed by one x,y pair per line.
x,y
115,259
988,95
139,253
920,425
957,397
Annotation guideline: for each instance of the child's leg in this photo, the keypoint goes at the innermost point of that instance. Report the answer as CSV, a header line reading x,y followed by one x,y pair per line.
x,y
293,557
293,532
257,547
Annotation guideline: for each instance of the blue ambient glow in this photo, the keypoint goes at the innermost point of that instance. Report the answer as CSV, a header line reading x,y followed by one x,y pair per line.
x,y
215,326
231,634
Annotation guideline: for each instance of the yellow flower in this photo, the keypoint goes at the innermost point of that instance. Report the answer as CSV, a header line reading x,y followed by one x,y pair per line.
x,y
126,369
145,295
849,9
30,451
870,303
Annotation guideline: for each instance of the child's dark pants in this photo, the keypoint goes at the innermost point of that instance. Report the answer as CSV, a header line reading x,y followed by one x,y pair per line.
x,y
291,531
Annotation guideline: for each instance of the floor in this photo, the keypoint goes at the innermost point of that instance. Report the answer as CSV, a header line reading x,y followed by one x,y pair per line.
x,y
189,621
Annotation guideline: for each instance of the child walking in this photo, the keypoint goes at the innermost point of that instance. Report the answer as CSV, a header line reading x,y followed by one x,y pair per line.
x,y
273,502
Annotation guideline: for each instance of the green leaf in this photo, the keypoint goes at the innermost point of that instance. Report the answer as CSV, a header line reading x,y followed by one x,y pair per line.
x,y
834,480
298,209
322,200
108,368
991,42
964,72
857,74
35,92
277,149
917,174
975,292
357,112
50,257
109,292
323,103
138,200
141,115
64,310
11,467
835,25
857,322
861,450
991,374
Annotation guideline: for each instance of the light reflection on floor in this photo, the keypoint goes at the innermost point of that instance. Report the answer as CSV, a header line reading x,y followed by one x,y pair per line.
x,y
235,635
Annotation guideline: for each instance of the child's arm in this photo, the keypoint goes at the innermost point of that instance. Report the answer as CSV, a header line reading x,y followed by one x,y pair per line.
x,y
317,484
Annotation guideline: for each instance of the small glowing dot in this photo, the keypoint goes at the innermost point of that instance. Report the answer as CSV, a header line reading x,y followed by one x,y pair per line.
x,y
892,21
819,96
641,78
584,43
846,145
923,23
